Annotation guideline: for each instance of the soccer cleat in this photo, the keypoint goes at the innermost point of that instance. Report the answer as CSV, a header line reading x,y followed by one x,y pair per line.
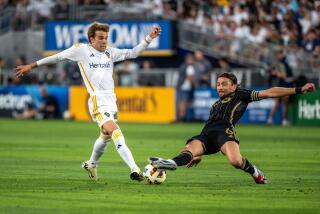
x,y
269,121
136,176
163,164
261,178
153,160
285,122
91,169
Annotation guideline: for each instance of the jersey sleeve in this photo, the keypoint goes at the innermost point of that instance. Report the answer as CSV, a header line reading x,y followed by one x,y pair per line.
x,y
248,95
123,54
73,53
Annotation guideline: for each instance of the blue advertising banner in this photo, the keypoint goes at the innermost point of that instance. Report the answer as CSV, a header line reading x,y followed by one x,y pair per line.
x,y
122,34
257,112
17,98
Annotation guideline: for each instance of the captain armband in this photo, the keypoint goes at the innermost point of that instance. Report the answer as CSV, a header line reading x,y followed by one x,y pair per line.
x,y
148,39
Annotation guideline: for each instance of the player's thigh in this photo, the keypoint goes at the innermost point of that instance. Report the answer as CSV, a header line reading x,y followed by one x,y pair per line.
x,y
232,150
195,147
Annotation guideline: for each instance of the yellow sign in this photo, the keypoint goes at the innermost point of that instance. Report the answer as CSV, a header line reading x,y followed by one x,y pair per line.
x,y
143,104
78,103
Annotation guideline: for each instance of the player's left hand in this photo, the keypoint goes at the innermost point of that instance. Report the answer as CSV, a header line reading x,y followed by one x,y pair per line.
x,y
195,161
155,31
309,87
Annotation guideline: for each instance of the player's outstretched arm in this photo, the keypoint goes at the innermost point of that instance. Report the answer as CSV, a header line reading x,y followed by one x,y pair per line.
x,y
123,54
70,53
281,91
24,69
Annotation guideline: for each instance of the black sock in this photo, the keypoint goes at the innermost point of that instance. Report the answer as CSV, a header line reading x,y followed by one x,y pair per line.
x,y
247,166
183,159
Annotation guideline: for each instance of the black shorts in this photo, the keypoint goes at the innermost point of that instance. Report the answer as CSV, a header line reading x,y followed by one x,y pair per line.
x,y
213,136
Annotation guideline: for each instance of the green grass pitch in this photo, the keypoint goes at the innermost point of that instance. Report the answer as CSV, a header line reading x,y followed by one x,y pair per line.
x,y
40,171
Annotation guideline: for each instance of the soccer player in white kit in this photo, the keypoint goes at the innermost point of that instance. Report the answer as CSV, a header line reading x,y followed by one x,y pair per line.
x,y
95,60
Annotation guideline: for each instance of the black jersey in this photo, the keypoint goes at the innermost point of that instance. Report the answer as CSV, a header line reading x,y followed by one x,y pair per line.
x,y
230,108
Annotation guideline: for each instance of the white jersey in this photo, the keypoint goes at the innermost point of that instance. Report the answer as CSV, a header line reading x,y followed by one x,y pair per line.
x,y
96,67
97,70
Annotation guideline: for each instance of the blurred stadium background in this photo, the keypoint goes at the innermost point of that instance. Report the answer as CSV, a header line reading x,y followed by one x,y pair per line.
x,y
258,40
204,37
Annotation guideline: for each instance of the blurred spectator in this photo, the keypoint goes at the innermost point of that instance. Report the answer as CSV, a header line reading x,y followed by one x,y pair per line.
x,y
315,14
2,67
3,5
288,37
156,7
43,10
274,37
223,65
187,81
29,112
232,32
127,73
192,16
6,19
257,34
216,14
293,56
48,108
240,13
168,12
283,77
311,41
305,20
61,10
48,75
22,16
71,74
149,78
49,105
203,69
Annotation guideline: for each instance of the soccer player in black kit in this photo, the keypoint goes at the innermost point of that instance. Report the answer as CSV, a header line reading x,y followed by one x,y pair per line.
x,y
218,133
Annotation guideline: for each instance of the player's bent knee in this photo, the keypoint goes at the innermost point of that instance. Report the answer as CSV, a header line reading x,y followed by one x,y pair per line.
x,y
109,127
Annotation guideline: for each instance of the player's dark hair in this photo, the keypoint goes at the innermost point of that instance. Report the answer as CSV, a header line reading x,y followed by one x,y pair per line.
x,y
95,27
230,76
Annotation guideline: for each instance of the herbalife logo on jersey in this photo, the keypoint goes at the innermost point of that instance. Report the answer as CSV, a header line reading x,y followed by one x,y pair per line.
x,y
99,65
309,111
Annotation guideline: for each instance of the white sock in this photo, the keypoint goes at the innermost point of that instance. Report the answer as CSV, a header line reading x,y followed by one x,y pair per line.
x,y
123,150
98,149
256,173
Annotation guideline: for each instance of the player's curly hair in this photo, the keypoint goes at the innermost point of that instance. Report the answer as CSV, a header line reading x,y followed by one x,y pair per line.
x,y
230,76
95,27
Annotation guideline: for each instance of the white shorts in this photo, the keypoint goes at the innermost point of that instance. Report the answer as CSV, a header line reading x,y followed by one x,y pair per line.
x,y
103,108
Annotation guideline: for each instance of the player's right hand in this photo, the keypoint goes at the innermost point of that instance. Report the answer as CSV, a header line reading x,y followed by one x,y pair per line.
x,y
22,70
195,161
